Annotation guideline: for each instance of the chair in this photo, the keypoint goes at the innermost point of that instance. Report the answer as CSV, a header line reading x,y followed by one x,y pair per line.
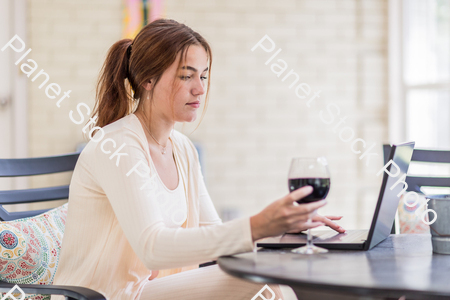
x,y
40,166
415,183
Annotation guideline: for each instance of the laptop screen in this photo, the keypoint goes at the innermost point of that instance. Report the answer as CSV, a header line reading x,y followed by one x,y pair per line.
x,y
388,200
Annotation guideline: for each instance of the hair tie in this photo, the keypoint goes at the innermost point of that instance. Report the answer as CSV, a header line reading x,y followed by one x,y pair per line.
x,y
129,51
128,59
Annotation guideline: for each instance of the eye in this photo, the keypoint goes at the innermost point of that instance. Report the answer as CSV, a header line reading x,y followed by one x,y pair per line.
x,y
185,77
204,77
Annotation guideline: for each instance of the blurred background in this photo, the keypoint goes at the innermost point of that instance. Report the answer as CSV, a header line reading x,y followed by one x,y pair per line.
x,y
384,63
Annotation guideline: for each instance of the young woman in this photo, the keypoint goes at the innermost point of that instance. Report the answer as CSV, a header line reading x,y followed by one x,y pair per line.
x,y
140,219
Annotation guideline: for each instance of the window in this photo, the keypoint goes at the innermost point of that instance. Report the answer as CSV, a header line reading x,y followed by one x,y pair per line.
x,y
426,72
419,64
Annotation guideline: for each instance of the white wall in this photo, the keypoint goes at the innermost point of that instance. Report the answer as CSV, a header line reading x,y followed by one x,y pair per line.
x,y
69,40
254,123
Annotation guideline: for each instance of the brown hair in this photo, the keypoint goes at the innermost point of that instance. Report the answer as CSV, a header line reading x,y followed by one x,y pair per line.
x,y
123,74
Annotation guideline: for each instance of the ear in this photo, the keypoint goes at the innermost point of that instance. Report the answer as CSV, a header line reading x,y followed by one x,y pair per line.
x,y
148,85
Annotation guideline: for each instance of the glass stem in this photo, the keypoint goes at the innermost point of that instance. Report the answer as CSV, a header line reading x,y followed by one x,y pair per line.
x,y
309,238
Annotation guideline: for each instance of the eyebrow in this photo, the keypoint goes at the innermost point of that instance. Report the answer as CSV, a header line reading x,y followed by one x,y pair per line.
x,y
192,68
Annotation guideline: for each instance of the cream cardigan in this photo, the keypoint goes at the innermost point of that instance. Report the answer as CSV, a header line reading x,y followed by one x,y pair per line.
x,y
116,232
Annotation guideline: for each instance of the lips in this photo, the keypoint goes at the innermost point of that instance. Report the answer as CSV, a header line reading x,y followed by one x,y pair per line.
x,y
195,104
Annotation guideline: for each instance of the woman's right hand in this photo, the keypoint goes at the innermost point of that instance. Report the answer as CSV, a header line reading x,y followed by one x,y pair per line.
x,y
283,215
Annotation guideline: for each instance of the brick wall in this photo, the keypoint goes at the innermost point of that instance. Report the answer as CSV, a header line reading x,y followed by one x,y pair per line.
x,y
69,40
254,123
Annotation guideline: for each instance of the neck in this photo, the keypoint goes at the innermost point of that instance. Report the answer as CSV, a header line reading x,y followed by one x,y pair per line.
x,y
159,128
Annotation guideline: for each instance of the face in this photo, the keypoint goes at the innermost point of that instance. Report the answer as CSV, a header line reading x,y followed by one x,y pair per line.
x,y
190,84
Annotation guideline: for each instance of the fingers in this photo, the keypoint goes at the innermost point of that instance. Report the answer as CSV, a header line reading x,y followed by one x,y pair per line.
x,y
312,224
329,223
334,217
305,226
299,194
306,211
316,224
310,207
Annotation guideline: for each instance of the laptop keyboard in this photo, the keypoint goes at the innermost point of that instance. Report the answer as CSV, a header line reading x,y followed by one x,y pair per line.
x,y
350,236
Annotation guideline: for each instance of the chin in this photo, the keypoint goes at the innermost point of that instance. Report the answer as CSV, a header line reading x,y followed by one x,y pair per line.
x,y
187,120
192,119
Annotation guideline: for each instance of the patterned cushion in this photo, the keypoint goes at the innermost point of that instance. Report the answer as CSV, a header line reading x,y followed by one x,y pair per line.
x,y
30,248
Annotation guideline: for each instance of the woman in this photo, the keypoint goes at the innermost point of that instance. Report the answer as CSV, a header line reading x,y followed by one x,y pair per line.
x,y
138,202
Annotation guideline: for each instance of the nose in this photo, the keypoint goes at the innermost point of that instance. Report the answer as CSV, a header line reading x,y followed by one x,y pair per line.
x,y
199,88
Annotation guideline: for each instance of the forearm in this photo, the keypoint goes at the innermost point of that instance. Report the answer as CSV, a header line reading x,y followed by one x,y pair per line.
x,y
166,248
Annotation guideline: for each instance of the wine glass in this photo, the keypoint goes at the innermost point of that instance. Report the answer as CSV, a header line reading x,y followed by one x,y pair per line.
x,y
311,171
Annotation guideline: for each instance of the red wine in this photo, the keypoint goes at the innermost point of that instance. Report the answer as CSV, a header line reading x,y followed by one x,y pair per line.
x,y
321,187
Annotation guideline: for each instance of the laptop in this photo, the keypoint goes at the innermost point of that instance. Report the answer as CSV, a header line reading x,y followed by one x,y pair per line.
x,y
382,221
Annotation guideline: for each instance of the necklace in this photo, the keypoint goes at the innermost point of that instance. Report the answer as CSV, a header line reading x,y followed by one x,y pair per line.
x,y
163,151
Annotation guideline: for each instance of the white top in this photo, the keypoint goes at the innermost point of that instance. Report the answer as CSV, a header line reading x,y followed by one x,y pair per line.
x,y
121,225
173,203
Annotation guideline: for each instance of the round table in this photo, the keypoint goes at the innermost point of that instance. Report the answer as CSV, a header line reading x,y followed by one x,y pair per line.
x,y
403,264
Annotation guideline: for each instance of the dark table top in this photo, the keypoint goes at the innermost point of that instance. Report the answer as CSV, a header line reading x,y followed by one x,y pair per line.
x,y
403,264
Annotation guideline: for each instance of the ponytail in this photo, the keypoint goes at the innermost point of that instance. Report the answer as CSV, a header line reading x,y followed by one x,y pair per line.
x,y
113,100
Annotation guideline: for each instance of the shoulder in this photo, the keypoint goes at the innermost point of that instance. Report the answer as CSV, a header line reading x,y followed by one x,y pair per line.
x,y
123,134
129,123
126,129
